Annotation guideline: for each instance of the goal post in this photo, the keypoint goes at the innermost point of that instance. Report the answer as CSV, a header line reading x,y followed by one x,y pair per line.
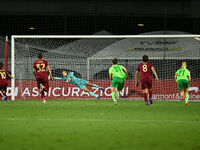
x,y
90,57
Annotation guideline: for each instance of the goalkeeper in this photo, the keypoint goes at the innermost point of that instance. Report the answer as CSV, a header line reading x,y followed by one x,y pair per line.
x,y
69,77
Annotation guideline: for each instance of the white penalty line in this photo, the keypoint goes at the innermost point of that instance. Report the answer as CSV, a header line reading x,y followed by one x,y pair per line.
x,y
100,120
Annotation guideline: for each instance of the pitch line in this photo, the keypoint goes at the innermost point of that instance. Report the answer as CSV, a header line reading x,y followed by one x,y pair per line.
x,y
100,120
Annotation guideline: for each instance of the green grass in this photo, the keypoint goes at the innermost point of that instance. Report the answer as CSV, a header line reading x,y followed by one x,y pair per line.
x,y
92,125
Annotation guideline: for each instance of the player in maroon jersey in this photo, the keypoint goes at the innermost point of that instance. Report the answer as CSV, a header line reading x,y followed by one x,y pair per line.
x,y
41,76
146,78
3,82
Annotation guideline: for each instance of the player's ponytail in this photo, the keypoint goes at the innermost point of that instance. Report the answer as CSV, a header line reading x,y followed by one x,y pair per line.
x,y
184,64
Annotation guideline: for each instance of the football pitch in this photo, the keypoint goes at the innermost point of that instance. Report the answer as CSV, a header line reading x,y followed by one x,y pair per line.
x,y
92,125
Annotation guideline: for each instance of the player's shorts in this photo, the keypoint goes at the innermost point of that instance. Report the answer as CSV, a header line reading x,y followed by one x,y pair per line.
x,y
146,83
117,83
42,80
81,83
3,86
183,84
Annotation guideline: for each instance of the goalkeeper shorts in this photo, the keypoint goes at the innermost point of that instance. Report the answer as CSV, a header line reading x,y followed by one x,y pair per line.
x,y
81,83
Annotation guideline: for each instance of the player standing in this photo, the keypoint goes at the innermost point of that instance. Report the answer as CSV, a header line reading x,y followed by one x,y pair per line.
x,y
69,77
182,77
146,78
3,82
41,76
117,73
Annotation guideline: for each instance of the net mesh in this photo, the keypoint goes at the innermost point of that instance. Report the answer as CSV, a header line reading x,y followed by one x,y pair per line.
x,y
90,59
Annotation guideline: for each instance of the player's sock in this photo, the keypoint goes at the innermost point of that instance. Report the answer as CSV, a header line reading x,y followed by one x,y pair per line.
x,y
117,95
145,97
42,87
44,100
91,93
186,97
150,97
94,85
4,98
42,94
150,94
113,96
183,94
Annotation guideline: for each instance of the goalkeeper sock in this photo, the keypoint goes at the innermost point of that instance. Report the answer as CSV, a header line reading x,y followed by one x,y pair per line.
x,y
186,97
91,93
94,85
113,96
150,94
145,97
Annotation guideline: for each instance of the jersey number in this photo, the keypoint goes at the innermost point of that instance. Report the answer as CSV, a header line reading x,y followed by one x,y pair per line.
x,y
181,71
117,69
40,67
3,75
144,68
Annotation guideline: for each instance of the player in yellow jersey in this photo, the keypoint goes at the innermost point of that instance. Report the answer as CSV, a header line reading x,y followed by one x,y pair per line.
x,y
183,78
117,73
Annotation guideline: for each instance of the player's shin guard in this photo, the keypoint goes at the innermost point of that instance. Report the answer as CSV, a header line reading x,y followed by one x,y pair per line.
x,y
113,96
186,97
91,93
145,97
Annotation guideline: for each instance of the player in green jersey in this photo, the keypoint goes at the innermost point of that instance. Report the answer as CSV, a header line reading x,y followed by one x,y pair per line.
x,y
117,73
183,78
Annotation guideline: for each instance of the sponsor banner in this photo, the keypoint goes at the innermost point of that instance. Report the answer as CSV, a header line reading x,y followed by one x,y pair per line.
x,y
162,90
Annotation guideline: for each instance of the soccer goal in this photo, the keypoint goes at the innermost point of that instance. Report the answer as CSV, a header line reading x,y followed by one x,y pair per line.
x,y
90,57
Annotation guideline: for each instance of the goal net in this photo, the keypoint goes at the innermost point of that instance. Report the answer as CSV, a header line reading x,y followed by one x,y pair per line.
x,y
90,57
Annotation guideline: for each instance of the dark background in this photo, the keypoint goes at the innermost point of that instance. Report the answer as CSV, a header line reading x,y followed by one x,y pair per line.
x,y
90,16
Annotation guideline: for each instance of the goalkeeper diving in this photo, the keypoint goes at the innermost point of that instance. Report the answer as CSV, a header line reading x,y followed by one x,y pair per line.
x,y
69,77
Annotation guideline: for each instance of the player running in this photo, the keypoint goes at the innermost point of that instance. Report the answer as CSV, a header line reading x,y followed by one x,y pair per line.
x,y
69,77
3,82
146,78
182,77
41,76
117,73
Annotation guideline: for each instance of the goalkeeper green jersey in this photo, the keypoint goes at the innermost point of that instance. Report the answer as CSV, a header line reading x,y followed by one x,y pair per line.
x,y
117,71
182,74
